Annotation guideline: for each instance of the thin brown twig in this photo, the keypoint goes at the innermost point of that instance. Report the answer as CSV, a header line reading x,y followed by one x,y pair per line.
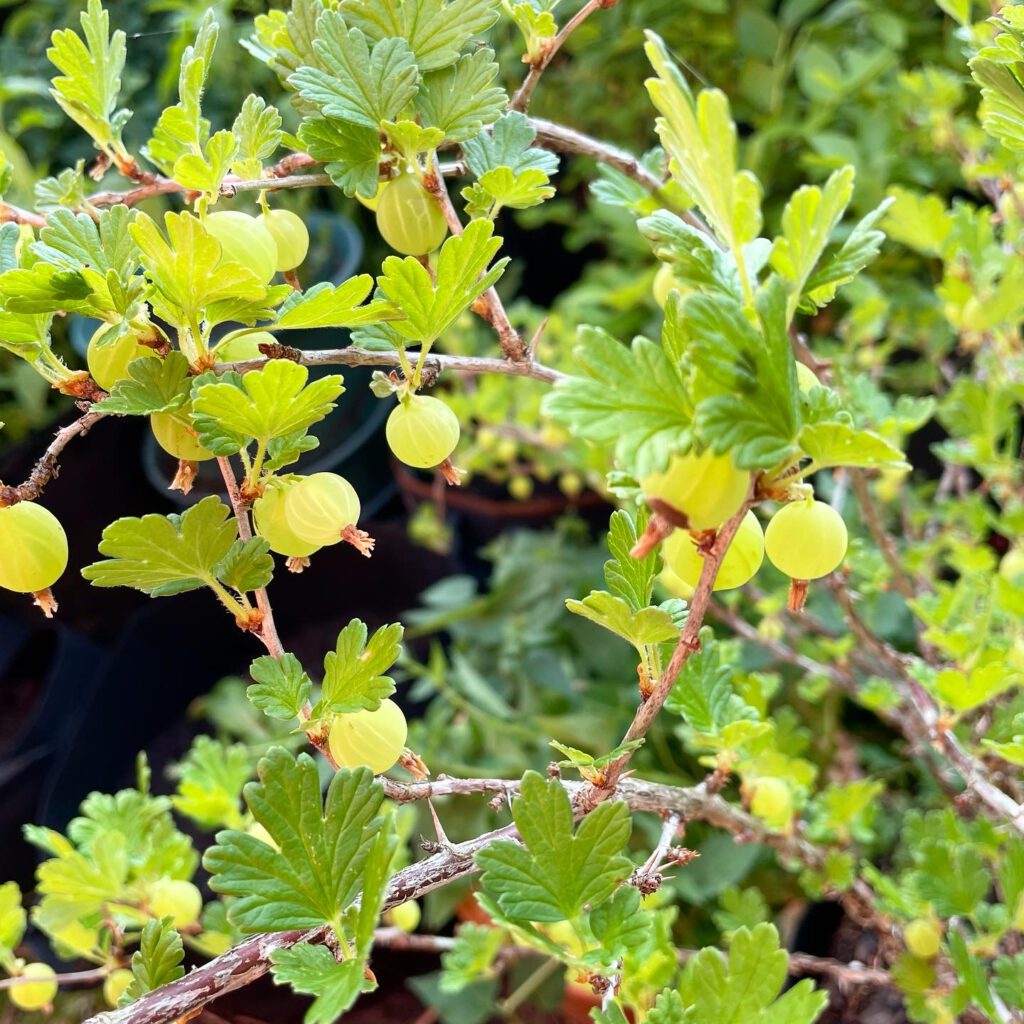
x,y
10,214
925,722
250,959
489,305
688,645
48,467
521,99
883,539
352,356
561,139
395,938
819,966
88,977
838,677
268,630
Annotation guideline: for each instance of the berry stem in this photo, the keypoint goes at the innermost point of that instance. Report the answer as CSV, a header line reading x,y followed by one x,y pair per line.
x,y
688,645
268,630
494,311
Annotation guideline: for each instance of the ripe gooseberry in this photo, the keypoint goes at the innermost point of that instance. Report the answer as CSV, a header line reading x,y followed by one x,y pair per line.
x,y
664,283
806,539
408,217
244,240
175,898
741,561
318,508
806,378
108,363
173,434
290,235
114,986
244,347
371,203
271,521
34,995
406,916
706,488
371,738
771,801
1011,565
33,548
422,431
923,937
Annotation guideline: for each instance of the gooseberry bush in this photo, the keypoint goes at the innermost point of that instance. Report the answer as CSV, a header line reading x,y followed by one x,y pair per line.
x,y
771,550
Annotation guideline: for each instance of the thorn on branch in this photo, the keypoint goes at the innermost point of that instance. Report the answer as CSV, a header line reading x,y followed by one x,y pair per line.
x,y
251,622
100,167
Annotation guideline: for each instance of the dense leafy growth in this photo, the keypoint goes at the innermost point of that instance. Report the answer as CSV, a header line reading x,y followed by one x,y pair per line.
x,y
785,357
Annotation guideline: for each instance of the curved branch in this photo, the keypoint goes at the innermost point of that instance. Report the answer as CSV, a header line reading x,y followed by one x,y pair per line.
x,y
47,467
568,140
688,645
924,723
489,305
251,959
521,100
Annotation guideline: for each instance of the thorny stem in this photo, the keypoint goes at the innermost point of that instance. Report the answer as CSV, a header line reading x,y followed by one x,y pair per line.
x,y
47,467
549,135
250,959
650,869
434,363
493,310
521,100
924,721
268,630
799,963
687,646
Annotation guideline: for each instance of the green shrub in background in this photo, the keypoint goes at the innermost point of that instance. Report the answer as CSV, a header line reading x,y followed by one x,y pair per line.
x,y
790,672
